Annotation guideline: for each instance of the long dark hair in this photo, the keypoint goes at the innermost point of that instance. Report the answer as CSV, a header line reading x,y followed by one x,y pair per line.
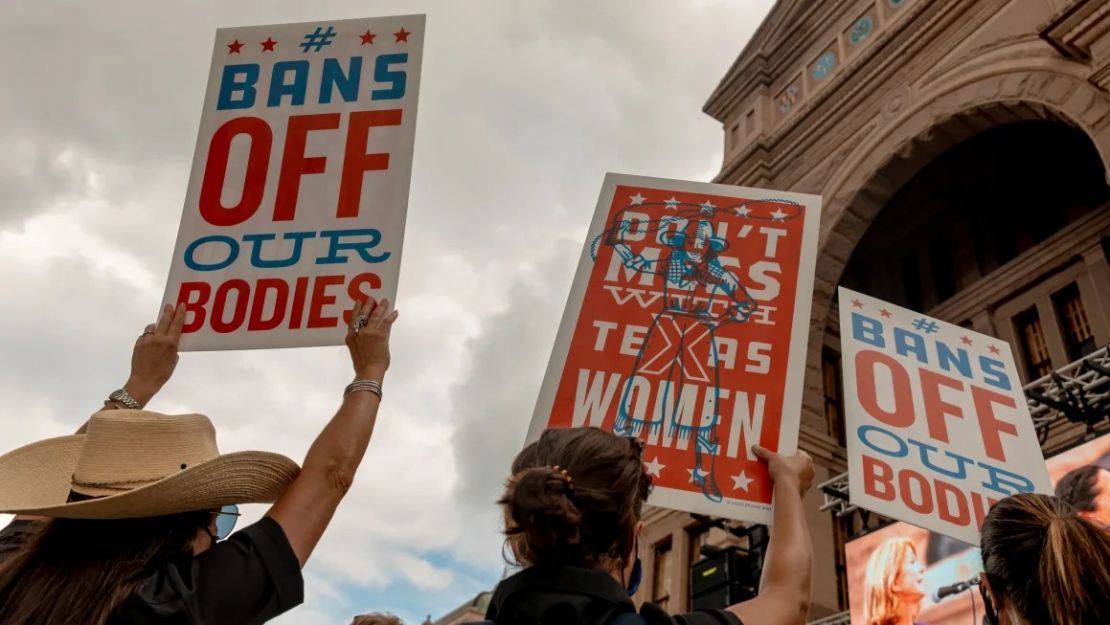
x,y
1053,565
585,516
1079,488
77,572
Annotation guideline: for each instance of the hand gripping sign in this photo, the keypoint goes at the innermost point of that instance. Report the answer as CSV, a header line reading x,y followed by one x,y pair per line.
x,y
299,187
686,328
938,427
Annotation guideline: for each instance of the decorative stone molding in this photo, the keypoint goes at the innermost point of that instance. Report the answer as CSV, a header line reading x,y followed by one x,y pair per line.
x,y
1082,32
950,113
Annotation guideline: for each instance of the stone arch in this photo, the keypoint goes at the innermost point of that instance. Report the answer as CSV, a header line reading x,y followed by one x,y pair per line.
x,y
908,137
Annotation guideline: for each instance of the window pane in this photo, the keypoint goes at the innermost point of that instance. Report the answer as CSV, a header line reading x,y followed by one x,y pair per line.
x,y
1033,347
699,535
834,404
661,580
1073,322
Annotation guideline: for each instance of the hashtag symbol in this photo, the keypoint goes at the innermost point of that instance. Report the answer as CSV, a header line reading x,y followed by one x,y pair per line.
x,y
925,325
319,39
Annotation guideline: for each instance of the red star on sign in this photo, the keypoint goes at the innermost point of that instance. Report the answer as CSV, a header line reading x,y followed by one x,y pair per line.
x,y
401,35
886,313
965,340
234,47
994,350
367,38
857,303
268,45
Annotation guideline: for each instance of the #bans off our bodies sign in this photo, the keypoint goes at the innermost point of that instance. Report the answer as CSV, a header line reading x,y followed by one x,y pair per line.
x,y
937,423
300,180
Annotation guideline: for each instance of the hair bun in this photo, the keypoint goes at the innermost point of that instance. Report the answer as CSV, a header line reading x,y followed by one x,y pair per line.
x,y
541,508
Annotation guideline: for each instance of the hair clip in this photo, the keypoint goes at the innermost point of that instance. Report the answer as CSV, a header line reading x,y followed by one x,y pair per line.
x,y
563,472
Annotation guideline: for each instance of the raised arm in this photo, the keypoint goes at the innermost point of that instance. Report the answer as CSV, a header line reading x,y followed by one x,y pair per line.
x,y
153,359
307,506
784,590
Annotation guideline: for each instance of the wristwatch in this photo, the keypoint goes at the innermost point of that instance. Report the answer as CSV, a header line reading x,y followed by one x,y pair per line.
x,y
123,398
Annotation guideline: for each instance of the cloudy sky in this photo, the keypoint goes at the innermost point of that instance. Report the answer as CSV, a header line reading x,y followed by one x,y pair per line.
x,y
525,104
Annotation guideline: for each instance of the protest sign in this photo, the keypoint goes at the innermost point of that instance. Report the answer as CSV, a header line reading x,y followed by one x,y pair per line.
x,y
937,424
686,328
299,186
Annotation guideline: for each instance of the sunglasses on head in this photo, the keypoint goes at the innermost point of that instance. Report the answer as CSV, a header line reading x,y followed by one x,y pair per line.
x,y
226,519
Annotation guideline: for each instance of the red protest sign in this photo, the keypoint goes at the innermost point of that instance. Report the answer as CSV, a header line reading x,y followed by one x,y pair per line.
x,y
686,328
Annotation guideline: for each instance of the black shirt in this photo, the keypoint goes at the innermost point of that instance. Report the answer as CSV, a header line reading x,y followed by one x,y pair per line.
x,y
579,596
250,578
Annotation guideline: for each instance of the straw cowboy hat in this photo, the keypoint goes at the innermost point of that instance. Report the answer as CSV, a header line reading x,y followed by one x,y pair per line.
x,y
133,463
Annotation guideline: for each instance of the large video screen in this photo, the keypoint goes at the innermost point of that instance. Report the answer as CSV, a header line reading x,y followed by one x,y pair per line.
x,y
897,570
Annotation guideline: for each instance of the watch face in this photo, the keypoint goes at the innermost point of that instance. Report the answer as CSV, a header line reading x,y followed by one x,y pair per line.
x,y
124,398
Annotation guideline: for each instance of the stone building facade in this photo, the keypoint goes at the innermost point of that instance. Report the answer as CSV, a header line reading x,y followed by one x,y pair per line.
x,y
960,147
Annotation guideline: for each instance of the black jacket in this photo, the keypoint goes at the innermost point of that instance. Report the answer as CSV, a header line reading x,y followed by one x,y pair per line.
x,y
578,596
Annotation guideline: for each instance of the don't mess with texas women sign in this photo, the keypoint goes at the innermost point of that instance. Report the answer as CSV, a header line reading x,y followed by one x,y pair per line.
x,y
299,187
686,330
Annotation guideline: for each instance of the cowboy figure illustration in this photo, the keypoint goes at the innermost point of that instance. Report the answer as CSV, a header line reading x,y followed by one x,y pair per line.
x,y
700,295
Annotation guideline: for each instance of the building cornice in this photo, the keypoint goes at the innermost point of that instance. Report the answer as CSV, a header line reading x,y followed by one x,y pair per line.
x,y
828,119
788,31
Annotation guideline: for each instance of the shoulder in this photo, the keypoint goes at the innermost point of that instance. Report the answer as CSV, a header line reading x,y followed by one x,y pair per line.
x,y
252,576
654,615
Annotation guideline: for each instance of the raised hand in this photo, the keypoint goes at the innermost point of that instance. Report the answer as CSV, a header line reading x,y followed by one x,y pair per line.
x,y
155,355
796,470
368,338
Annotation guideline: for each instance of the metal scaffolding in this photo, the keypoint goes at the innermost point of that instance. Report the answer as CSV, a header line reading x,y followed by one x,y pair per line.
x,y
1076,393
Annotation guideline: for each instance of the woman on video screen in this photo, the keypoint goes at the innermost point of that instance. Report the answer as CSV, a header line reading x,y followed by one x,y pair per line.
x,y
894,584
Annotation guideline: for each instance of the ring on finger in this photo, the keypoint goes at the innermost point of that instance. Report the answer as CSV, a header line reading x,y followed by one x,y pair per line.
x,y
359,323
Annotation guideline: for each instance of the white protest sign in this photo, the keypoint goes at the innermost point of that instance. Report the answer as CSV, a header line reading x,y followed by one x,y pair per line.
x,y
300,181
938,428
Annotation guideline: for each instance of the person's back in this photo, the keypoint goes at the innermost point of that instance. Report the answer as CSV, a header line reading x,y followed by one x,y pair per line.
x,y
1044,564
572,513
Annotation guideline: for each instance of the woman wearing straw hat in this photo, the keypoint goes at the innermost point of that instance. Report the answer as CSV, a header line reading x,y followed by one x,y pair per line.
x,y
153,360
139,502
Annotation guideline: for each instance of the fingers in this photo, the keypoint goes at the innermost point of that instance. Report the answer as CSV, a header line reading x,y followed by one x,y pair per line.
x,y
377,315
178,323
764,454
164,320
355,308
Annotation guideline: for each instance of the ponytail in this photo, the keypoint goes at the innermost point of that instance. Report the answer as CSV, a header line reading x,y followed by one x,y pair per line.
x,y
1050,564
1074,572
